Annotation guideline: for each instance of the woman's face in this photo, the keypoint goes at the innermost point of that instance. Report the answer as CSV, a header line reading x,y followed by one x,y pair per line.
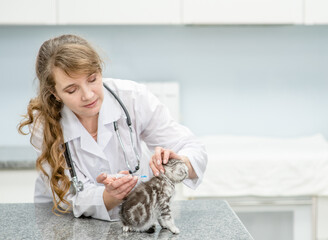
x,y
83,94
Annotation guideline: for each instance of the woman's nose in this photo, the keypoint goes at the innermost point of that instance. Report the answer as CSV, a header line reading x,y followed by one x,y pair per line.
x,y
87,93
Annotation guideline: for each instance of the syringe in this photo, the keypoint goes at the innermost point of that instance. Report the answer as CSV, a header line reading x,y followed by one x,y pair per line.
x,y
120,175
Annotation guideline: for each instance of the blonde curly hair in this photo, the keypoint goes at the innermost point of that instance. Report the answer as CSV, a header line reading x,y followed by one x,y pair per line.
x,y
74,55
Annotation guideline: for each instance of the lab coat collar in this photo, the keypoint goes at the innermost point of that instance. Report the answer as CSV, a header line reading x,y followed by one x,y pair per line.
x,y
110,111
70,124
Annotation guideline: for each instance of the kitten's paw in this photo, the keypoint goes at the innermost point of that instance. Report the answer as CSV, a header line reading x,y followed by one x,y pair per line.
x,y
174,230
126,229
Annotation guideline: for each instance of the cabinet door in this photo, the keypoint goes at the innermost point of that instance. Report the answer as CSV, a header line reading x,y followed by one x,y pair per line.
x,y
242,11
119,12
27,12
316,11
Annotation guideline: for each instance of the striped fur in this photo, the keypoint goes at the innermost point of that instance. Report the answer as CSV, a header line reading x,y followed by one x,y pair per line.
x,y
150,202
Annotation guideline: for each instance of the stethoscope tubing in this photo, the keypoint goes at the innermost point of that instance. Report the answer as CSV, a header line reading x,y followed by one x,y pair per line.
x,y
128,119
78,185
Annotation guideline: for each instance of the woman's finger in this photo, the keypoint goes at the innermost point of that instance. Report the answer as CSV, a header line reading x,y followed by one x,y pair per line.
x,y
158,155
101,178
159,167
119,182
127,185
109,180
128,190
166,155
153,168
114,187
109,188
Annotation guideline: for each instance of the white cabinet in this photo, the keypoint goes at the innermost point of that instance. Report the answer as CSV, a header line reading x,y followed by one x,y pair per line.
x,y
119,12
137,12
316,11
242,11
17,186
28,12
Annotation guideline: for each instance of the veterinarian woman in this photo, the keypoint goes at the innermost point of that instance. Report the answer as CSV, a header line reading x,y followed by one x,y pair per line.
x,y
77,116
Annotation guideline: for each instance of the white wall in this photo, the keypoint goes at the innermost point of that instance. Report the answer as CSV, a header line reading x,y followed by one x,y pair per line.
x,y
247,80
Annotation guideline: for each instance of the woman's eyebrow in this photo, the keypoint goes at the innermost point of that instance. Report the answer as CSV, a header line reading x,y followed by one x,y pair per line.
x,y
70,85
91,75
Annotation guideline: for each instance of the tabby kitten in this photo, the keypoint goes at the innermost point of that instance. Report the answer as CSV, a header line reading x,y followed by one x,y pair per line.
x,y
150,201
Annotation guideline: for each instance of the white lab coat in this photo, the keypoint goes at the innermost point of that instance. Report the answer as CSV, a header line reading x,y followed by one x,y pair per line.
x,y
152,124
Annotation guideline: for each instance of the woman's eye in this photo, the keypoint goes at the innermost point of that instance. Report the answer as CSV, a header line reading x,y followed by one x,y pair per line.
x,y
71,91
93,80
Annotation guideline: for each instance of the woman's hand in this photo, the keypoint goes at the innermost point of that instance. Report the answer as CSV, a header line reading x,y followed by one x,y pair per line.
x,y
162,156
116,189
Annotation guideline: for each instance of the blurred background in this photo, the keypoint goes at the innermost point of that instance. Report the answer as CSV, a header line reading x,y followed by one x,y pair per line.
x,y
248,80
244,69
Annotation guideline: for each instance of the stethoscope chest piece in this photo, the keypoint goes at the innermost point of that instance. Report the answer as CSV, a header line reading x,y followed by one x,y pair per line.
x,y
76,186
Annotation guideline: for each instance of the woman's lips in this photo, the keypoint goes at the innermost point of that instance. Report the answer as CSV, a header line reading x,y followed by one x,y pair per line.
x,y
91,105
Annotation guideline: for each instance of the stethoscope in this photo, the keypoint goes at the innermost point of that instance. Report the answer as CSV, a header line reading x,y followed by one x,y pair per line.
x,y
78,185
